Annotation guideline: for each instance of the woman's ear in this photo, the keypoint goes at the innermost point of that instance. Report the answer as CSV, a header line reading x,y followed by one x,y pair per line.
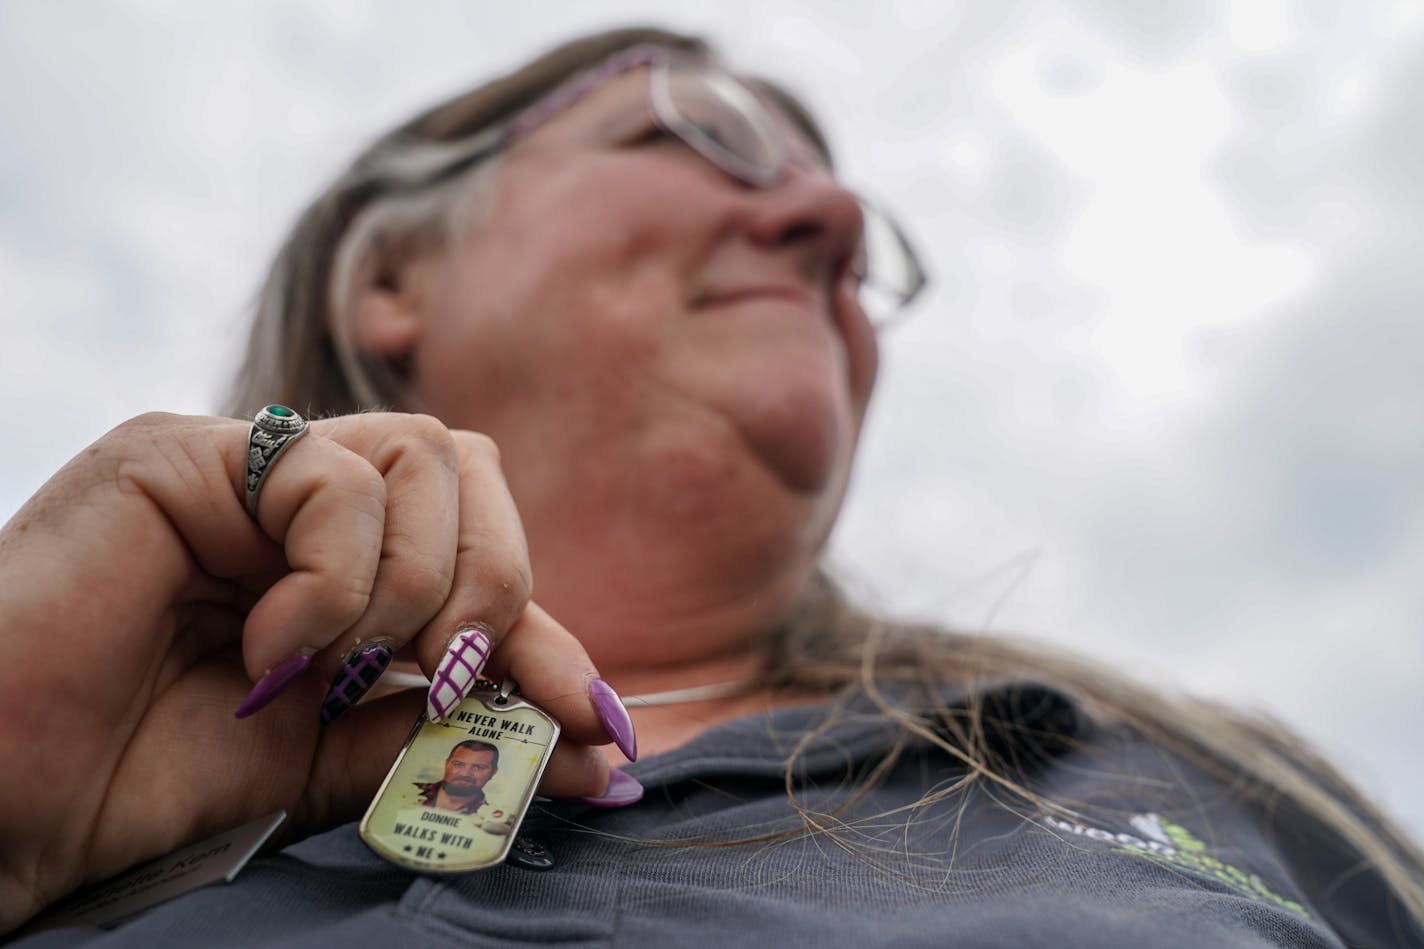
x,y
387,310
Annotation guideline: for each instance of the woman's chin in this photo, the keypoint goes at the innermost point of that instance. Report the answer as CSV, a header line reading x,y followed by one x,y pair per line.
x,y
799,425
805,458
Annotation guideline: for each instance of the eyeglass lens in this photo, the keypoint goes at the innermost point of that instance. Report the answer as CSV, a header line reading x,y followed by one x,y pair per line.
x,y
721,118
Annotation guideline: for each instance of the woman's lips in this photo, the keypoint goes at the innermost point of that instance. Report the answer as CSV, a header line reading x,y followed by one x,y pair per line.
x,y
796,296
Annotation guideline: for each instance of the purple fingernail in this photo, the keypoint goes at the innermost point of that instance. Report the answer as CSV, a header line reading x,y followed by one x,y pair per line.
x,y
458,672
614,717
271,685
623,789
357,674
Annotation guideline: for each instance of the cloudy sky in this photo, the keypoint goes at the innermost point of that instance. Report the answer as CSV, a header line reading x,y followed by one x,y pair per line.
x,y
1165,404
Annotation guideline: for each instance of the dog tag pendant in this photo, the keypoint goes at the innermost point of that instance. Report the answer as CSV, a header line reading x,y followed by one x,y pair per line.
x,y
455,797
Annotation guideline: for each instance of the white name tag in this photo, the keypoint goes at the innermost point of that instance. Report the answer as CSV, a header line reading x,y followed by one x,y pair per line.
x,y
217,858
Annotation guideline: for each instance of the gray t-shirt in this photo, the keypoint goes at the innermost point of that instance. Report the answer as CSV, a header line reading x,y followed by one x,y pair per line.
x,y
1158,853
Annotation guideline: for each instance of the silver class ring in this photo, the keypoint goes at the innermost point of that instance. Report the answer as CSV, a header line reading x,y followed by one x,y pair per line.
x,y
273,431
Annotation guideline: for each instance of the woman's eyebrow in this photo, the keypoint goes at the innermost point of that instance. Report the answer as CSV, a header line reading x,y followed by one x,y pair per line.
x,y
604,112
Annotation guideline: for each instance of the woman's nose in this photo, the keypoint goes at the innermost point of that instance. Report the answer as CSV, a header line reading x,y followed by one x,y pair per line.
x,y
810,216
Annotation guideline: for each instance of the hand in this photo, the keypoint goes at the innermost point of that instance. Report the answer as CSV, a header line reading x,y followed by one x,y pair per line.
x,y
139,603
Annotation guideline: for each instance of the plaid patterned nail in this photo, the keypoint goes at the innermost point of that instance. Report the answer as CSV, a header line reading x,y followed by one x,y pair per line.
x,y
358,673
457,673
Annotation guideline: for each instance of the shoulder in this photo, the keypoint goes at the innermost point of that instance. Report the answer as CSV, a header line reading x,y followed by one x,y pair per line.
x,y
1238,803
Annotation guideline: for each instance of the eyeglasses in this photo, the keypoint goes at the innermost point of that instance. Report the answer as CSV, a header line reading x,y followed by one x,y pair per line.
x,y
720,118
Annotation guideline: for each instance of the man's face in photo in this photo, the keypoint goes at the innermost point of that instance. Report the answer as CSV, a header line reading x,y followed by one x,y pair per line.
x,y
467,771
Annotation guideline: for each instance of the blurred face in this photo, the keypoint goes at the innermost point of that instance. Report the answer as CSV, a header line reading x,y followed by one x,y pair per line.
x,y
467,771
674,364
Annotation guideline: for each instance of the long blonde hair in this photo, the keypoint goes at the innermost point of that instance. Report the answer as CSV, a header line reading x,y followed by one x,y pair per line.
x,y
831,644
298,354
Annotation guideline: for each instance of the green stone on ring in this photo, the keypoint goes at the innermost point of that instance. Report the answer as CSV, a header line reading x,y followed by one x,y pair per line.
x,y
281,411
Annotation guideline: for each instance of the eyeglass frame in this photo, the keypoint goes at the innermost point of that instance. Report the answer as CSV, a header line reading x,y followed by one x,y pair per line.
x,y
483,145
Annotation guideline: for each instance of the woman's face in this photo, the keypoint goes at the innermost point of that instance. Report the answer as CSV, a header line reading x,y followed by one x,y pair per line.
x,y
674,364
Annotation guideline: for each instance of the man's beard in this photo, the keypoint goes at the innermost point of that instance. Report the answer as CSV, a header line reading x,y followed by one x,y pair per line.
x,y
462,787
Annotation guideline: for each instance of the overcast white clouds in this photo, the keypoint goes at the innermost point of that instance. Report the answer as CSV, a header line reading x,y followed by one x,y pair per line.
x,y
1164,404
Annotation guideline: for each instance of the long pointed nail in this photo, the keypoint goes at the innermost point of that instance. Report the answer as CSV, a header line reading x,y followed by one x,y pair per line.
x,y
274,682
357,674
458,672
614,717
623,789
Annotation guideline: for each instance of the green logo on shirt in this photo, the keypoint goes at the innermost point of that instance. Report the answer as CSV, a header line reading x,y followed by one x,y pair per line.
x,y
1172,844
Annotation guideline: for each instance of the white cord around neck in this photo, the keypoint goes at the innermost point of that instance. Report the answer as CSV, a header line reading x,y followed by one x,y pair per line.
x,y
696,693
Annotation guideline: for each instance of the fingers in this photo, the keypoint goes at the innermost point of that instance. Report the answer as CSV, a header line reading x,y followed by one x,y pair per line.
x,y
326,506
446,542
454,568
400,531
554,672
492,579
417,460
